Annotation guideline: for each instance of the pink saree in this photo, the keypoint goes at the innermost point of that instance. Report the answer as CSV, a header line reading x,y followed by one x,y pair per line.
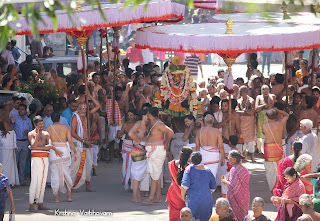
x,y
291,212
285,163
238,192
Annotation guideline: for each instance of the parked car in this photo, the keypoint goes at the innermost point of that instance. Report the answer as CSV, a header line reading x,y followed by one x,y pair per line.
x,y
8,94
63,65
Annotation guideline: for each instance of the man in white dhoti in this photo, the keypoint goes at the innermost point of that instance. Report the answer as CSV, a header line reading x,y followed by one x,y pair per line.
x,y
40,145
81,168
138,156
310,143
209,143
8,144
60,166
127,144
273,149
157,147
191,131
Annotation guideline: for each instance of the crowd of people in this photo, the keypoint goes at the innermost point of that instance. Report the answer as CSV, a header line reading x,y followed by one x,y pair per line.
x,y
60,142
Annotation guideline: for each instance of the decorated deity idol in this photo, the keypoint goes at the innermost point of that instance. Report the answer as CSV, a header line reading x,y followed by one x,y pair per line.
x,y
177,96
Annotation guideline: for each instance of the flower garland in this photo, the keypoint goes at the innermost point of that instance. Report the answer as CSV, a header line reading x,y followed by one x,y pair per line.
x,y
186,84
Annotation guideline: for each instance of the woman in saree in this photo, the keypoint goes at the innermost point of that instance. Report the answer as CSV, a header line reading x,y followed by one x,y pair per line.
x,y
288,200
174,198
197,183
287,162
314,180
238,193
303,167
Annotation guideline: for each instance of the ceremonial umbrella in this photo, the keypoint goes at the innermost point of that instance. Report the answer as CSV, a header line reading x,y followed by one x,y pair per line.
x,y
229,44
208,4
115,14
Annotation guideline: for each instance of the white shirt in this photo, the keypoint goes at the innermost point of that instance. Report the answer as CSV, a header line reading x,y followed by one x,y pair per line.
x,y
6,54
147,56
310,146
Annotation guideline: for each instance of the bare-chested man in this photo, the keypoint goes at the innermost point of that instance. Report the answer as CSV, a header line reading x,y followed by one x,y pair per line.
x,y
8,144
263,102
308,112
81,169
127,144
191,131
209,143
138,155
95,134
234,117
157,147
97,86
40,145
145,96
305,201
247,122
60,166
123,105
273,149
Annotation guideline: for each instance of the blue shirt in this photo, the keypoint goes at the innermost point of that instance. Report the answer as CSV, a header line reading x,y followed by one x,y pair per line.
x,y
15,53
49,122
67,113
21,125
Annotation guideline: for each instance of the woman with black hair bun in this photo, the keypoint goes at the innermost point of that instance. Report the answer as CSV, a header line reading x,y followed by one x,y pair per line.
x,y
289,161
288,200
176,169
314,180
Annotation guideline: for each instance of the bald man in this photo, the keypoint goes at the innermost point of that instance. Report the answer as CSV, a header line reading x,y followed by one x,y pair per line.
x,y
209,143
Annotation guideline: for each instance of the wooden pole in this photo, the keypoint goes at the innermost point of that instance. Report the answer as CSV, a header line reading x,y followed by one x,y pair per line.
x,y
108,50
230,132
87,51
114,86
312,66
286,77
101,38
86,88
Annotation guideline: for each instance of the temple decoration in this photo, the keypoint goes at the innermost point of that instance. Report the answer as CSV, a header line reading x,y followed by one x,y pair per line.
x,y
177,96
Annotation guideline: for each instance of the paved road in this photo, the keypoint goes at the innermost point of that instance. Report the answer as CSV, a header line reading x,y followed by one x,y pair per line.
x,y
111,197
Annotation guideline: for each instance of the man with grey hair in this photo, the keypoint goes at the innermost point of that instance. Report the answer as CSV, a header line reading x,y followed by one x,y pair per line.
x,y
186,214
305,201
310,142
209,143
257,208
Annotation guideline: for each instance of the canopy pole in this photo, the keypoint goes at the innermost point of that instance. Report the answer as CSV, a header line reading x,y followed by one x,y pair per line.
x,y
84,72
312,67
108,50
286,77
101,38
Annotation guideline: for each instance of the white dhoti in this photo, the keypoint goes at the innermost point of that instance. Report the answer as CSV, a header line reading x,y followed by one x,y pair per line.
x,y
9,162
156,154
271,173
211,158
126,163
250,146
94,151
176,145
81,169
39,172
8,158
139,173
60,169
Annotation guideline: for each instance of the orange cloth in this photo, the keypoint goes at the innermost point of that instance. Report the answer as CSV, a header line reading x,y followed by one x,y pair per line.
x,y
273,152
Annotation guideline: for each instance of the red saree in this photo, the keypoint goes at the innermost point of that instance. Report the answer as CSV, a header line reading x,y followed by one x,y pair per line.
x,y
174,194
